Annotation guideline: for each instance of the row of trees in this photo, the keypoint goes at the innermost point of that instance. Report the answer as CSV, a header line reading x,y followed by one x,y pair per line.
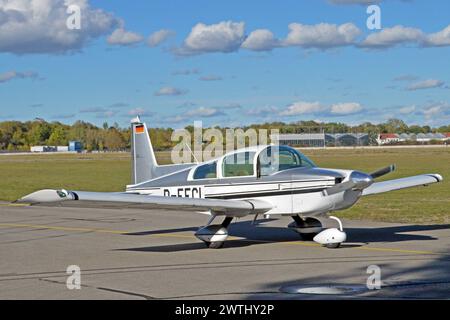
x,y
16,135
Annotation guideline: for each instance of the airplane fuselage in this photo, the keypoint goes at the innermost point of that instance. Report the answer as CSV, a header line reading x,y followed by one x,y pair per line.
x,y
293,191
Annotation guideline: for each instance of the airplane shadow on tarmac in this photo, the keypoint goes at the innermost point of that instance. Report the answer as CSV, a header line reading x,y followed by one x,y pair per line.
x,y
263,234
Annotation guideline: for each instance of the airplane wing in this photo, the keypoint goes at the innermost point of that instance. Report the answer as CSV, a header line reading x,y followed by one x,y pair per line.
x,y
232,208
396,184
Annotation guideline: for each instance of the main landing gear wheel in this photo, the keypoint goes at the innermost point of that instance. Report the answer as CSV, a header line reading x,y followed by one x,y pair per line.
x,y
333,245
214,244
214,235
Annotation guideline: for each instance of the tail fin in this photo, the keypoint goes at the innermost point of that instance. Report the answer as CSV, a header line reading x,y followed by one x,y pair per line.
x,y
143,159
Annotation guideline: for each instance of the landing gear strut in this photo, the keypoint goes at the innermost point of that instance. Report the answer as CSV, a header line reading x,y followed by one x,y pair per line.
x,y
214,235
308,228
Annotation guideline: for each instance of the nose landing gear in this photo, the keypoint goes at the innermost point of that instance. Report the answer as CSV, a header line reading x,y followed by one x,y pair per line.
x,y
311,229
333,237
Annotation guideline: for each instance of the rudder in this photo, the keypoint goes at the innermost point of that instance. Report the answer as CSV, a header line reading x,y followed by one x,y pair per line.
x,y
143,159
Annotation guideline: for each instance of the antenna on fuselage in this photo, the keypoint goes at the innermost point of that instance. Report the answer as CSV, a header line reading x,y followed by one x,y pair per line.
x,y
193,154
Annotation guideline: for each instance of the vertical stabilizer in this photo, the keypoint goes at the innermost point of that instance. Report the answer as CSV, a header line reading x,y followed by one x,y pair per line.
x,y
143,161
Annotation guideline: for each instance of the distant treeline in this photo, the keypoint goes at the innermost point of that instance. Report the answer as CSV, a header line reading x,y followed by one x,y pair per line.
x,y
16,135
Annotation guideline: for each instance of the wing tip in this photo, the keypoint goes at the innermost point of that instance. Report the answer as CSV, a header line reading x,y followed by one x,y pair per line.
x,y
45,195
437,176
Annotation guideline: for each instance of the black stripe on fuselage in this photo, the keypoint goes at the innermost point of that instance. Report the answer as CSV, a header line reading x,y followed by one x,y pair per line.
x,y
231,183
263,194
288,190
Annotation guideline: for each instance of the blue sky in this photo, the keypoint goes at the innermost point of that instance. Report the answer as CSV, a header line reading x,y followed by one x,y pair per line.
x,y
227,63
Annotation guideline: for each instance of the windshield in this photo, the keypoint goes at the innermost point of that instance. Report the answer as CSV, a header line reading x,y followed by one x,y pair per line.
x,y
278,158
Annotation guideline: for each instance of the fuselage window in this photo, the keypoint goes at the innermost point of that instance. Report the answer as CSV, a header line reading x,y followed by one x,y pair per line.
x,y
238,164
206,171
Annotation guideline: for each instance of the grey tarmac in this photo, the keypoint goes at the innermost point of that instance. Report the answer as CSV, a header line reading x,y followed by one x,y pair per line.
x,y
141,254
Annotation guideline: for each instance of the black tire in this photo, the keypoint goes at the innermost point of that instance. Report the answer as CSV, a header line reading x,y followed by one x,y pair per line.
x,y
215,244
333,245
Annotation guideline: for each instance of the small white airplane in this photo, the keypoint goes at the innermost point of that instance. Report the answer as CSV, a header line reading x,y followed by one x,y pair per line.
x,y
269,180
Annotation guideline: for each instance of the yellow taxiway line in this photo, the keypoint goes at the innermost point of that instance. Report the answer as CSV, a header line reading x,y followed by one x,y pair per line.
x,y
174,235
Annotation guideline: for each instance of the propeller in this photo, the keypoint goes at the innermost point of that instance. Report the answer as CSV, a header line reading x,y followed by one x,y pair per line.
x,y
358,180
383,171
339,188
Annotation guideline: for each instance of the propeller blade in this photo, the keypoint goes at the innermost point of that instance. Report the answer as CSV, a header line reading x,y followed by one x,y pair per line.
x,y
383,171
340,187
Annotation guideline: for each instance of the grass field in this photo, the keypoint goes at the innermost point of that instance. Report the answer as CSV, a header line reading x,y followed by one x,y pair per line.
x,y
22,174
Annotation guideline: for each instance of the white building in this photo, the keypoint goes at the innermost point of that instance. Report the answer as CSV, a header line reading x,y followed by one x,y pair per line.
x,y
49,148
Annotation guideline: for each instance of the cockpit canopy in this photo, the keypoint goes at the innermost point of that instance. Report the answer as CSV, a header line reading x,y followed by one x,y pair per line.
x,y
279,158
260,161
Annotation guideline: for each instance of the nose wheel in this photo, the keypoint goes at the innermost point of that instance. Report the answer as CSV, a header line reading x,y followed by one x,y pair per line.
x,y
332,238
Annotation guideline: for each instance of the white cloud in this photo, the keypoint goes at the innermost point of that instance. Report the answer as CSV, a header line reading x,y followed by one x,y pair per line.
x,y
204,112
232,105
158,37
260,40
226,36
345,108
322,35
122,37
407,110
39,26
139,112
316,108
170,91
439,39
263,111
436,110
390,37
10,75
425,84
302,107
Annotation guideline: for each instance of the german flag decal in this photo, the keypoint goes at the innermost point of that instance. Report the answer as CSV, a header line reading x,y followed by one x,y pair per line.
x,y
140,128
